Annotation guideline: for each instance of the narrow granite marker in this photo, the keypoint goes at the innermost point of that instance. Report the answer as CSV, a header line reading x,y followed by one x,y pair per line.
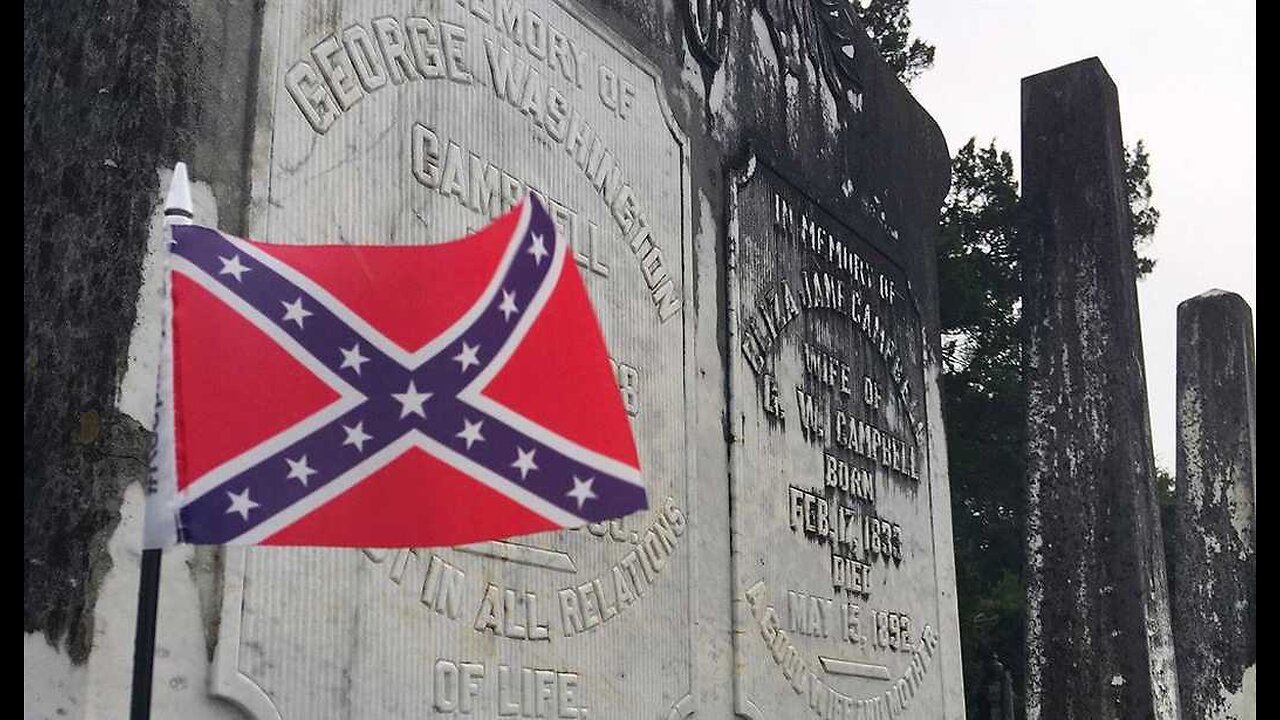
x,y
1098,634
1215,600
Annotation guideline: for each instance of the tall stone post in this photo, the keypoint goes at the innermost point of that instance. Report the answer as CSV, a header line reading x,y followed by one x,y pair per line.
x,y
1098,635
1215,600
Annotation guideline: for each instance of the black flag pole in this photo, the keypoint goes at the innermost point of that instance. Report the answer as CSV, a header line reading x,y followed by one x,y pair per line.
x,y
144,641
177,211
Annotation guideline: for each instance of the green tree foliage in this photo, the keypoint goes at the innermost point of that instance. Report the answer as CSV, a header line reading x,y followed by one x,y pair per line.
x,y
984,401
1144,215
888,23
984,408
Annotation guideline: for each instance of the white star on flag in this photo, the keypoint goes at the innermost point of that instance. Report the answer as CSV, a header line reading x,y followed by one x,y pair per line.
x,y
471,432
538,250
241,503
508,306
231,266
356,436
524,462
467,357
411,401
294,311
582,490
298,469
352,358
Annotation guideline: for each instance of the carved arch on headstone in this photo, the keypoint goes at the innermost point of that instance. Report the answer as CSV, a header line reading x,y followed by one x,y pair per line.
x,y
705,27
824,32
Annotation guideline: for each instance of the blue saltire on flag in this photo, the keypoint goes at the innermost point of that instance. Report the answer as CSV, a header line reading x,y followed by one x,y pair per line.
x,y
380,396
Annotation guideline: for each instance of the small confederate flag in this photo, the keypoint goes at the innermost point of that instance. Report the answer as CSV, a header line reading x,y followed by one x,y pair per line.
x,y
379,396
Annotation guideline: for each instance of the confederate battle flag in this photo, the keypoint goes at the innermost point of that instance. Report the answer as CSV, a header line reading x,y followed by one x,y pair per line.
x,y
378,396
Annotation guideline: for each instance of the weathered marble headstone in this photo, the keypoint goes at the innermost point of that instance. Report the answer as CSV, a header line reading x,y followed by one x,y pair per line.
x,y
1215,573
752,198
1098,636
842,559
411,123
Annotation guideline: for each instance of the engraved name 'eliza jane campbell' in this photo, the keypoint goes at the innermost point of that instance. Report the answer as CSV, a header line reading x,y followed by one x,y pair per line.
x,y
834,558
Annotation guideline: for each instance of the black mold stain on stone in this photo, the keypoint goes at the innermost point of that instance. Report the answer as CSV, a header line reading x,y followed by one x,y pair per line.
x,y
1102,645
1215,601
106,101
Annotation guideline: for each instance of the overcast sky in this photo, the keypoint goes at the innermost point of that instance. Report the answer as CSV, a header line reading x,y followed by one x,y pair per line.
x,y
1186,74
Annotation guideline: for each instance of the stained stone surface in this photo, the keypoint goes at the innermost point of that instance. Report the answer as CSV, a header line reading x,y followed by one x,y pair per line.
x,y
1215,601
92,139
1099,643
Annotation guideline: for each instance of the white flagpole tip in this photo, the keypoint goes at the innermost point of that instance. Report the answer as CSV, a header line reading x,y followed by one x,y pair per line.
x,y
177,204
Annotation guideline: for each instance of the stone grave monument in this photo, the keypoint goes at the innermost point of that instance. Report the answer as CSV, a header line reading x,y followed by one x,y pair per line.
x,y
752,198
